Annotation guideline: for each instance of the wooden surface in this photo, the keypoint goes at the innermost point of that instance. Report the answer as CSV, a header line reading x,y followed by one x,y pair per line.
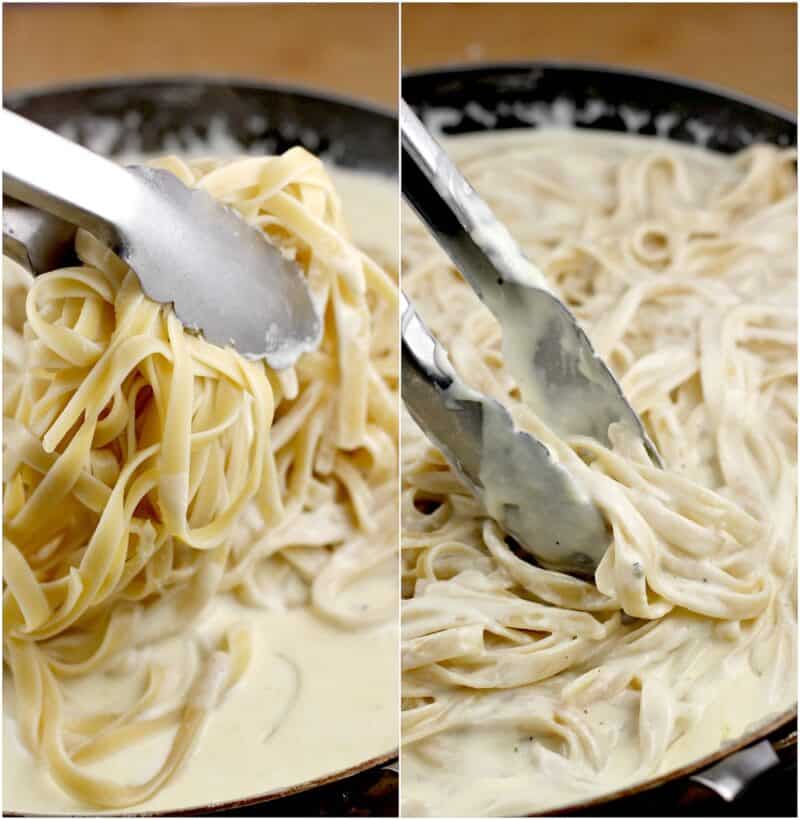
x,y
352,48
751,47
347,48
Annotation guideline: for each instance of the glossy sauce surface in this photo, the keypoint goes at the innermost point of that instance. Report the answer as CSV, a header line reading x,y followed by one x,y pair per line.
x,y
317,699
491,730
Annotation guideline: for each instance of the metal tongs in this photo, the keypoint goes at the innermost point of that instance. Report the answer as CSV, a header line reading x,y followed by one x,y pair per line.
x,y
220,274
533,497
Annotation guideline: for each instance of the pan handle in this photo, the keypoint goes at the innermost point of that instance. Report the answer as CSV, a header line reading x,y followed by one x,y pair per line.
x,y
732,775
735,773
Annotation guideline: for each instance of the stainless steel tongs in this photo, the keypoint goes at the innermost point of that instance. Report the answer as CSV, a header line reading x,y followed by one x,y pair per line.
x,y
531,496
221,275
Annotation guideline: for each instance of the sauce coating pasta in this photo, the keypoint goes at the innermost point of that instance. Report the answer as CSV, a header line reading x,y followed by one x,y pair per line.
x,y
525,689
149,473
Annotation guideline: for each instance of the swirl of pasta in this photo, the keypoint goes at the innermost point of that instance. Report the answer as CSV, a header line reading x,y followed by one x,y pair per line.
x,y
523,688
147,471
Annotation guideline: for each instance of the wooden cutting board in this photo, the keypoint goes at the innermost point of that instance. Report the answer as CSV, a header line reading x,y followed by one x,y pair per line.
x,y
348,49
353,48
749,47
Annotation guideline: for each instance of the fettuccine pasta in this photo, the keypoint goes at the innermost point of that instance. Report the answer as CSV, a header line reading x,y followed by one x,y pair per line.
x,y
147,471
525,689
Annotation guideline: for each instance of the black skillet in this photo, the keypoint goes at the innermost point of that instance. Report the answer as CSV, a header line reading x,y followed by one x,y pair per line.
x,y
153,115
457,100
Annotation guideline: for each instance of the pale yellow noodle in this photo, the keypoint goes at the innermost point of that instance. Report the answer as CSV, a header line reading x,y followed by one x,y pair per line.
x,y
146,471
524,688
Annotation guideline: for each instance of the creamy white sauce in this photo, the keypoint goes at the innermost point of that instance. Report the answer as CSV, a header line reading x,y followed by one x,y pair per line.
x,y
317,699
537,500
371,208
498,746
522,486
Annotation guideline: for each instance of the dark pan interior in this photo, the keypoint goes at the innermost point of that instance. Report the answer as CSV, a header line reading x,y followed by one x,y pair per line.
x,y
154,115
470,99
497,97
